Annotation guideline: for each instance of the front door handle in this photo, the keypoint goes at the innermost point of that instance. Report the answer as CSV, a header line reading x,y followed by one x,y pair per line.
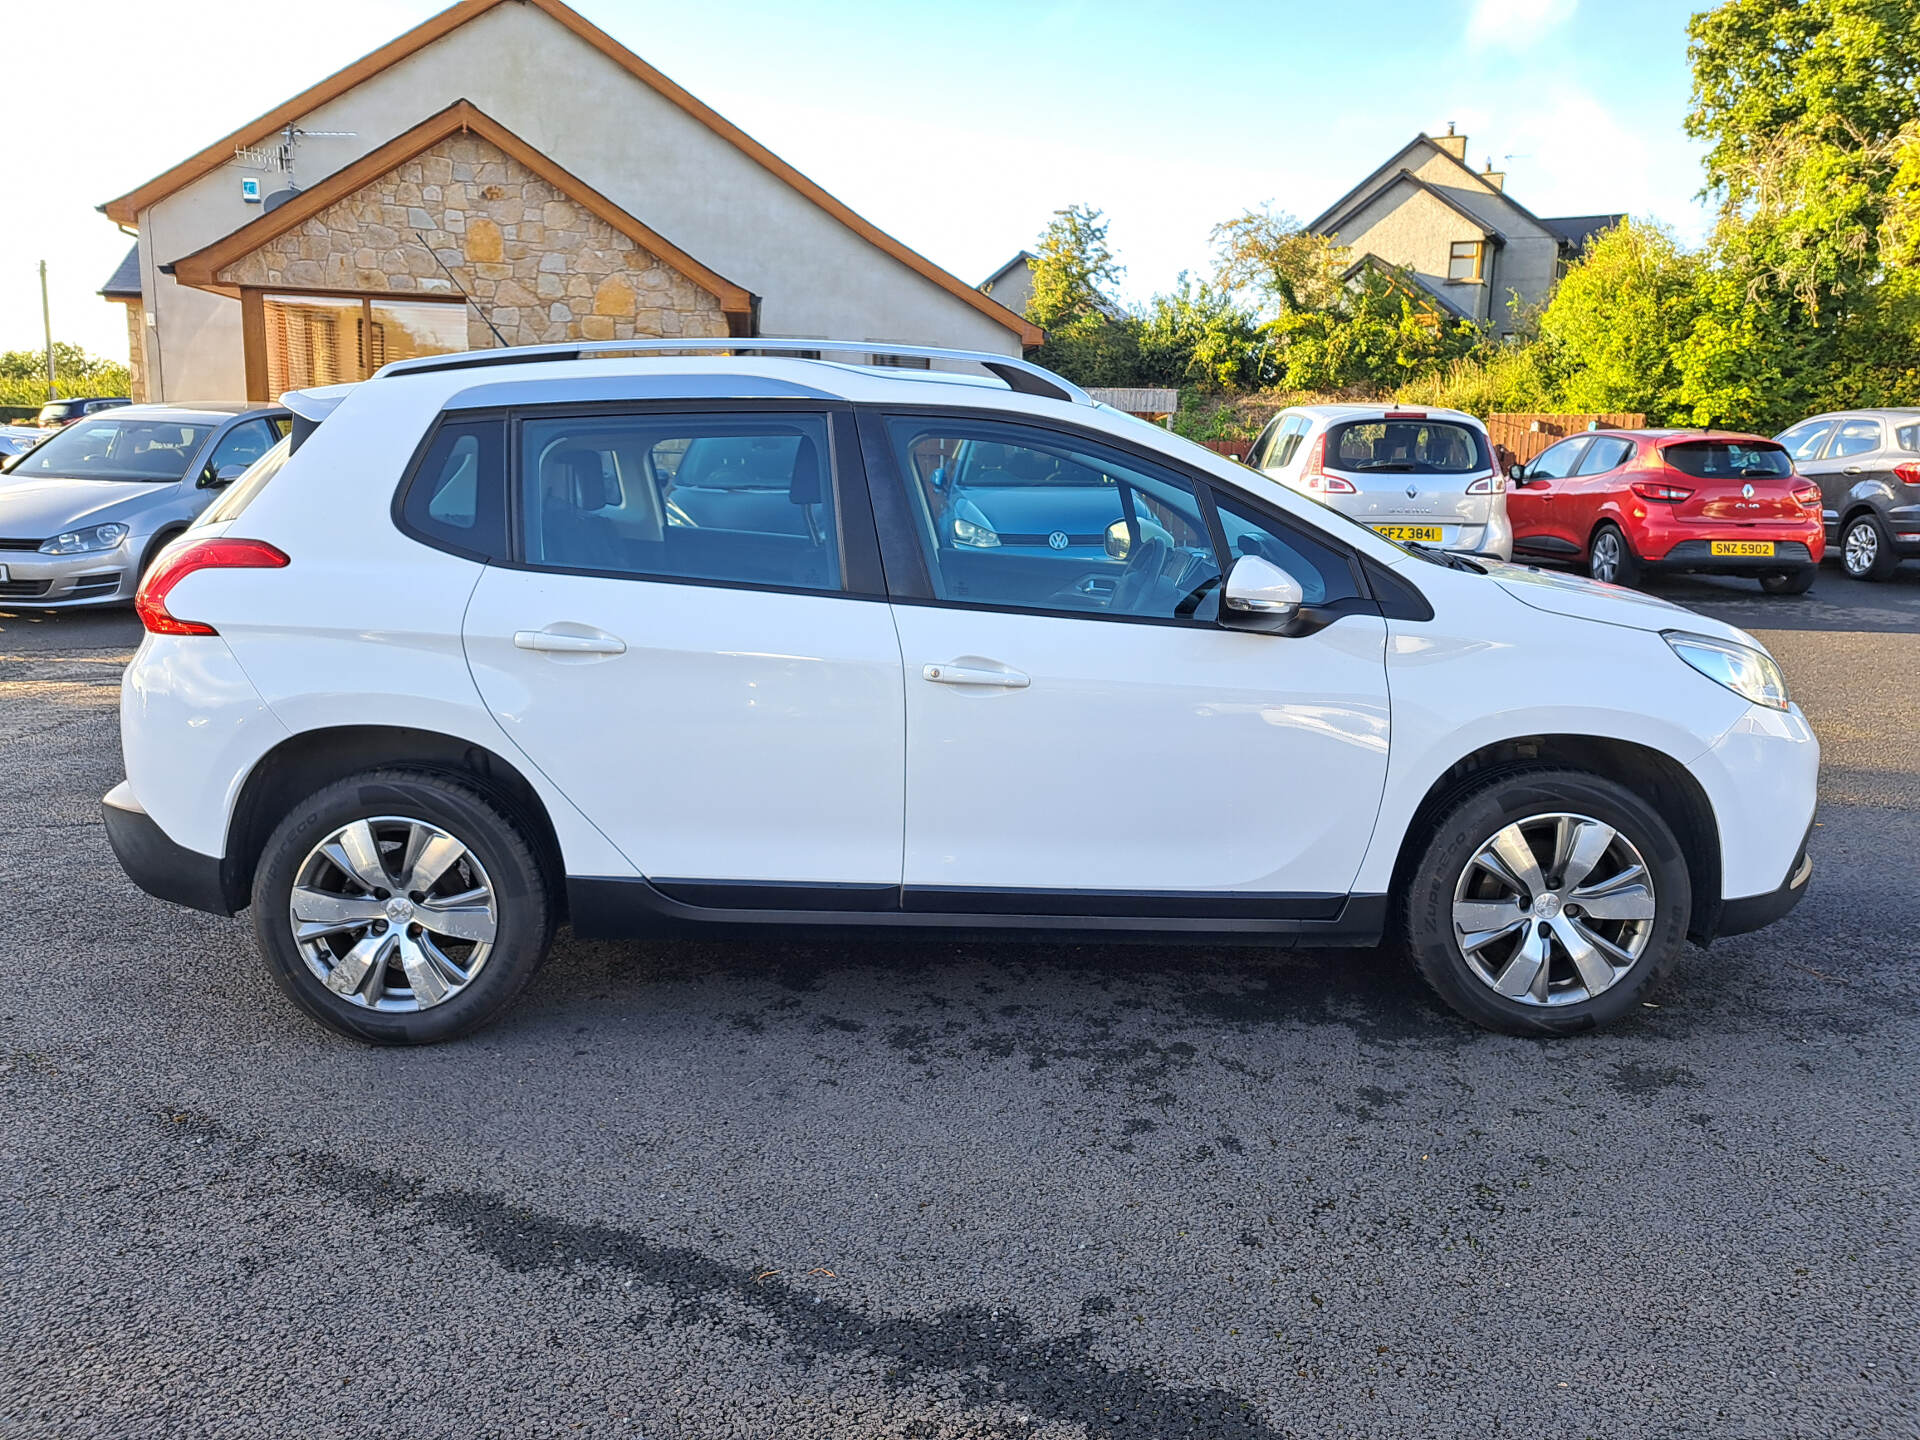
x,y
554,642
1852,470
976,675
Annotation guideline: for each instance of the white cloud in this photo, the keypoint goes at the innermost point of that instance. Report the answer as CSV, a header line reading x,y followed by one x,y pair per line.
x,y
1515,24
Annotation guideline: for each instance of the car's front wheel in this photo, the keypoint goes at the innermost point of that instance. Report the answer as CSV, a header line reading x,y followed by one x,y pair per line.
x,y
1611,558
1866,550
401,907
1547,902
1789,582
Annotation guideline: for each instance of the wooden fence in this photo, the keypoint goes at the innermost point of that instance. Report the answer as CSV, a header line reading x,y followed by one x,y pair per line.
x,y
1232,449
1525,436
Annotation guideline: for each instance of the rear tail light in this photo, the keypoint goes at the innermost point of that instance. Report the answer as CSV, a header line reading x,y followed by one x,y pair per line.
x,y
1807,495
176,565
1488,484
1651,490
1315,477
1907,472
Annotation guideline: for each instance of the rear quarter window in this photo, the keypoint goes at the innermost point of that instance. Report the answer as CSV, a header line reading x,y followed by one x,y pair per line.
x,y
456,497
1909,438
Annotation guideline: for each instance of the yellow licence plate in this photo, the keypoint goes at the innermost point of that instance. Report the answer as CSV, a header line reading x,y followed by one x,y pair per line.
x,y
1430,534
1761,548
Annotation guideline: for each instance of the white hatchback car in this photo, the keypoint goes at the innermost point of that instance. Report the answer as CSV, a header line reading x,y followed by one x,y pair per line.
x,y
1422,477
637,640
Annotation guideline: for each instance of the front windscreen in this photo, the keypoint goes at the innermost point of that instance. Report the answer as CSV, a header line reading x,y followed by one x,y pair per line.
x,y
1406,447
1728,459
155,451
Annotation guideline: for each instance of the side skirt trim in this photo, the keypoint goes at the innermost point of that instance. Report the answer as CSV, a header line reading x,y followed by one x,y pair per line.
x,y
619,908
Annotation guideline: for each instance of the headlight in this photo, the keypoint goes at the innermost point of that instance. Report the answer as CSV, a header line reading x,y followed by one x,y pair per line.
x,y
1749,673
970,527
81,542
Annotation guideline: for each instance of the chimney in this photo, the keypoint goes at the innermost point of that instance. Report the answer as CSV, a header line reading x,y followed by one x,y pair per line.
x,y
1454,145
1496,178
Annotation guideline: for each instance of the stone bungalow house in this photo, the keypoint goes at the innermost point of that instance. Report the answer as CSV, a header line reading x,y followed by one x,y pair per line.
x,y
512,149
1468,244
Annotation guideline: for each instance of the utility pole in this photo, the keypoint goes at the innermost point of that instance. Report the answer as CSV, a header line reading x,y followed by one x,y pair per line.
x,y
46,323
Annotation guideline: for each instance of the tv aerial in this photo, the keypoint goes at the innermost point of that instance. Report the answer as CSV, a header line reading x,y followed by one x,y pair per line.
x,y
279,158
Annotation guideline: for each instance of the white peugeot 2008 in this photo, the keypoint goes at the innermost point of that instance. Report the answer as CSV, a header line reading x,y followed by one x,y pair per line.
x,y
639,639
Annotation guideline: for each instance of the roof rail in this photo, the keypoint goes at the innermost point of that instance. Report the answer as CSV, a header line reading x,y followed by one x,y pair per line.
x,y
1021,375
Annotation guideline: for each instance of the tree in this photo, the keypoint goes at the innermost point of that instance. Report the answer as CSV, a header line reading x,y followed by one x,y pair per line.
x,y
1618,319
23,374
1073,269
1265,252
1199,336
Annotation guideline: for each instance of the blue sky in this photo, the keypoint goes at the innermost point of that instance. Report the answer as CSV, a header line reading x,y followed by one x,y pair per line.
x,y
959,126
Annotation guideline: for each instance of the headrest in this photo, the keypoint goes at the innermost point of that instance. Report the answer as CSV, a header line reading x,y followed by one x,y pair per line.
x,y
584,482
805,487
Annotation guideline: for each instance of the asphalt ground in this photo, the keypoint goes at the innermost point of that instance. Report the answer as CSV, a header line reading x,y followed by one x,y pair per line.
x,y
942,1190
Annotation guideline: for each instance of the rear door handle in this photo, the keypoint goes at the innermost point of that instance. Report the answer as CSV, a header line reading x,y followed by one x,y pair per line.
x,y
554,642
975,675
1852,470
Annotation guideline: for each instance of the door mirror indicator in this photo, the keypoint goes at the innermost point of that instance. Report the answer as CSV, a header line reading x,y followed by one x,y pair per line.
x,y
1260,596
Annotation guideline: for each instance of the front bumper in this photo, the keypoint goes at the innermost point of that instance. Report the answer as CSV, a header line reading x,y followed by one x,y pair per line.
x,y
1752,912
100,577
161,866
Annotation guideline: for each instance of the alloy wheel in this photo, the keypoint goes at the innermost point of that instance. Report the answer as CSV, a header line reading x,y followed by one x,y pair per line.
x,y
1605,563
1553,909
393,914
1862,548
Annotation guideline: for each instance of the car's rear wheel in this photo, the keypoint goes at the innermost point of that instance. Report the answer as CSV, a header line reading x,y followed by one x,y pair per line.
x,y
1866,550
1789,582
1611,558
1548,902
401,907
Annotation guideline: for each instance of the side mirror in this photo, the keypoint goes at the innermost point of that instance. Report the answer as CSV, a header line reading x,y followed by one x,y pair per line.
x,y
225,475
1516,474
1260,596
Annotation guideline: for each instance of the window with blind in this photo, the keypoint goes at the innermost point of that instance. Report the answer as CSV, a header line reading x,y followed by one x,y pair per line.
x,y
327,339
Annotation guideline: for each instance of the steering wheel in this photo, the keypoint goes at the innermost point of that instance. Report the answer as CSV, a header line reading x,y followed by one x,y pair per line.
x,y
1144,565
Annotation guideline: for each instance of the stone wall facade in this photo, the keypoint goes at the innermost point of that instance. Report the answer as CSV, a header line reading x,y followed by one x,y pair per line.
x,y
136,351
543,267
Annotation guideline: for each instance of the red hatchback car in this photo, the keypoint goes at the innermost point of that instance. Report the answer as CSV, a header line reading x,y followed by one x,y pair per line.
x,y
1622,502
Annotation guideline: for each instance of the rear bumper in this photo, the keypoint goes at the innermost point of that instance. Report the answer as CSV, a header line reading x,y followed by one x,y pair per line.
x,y
161,866
1698,555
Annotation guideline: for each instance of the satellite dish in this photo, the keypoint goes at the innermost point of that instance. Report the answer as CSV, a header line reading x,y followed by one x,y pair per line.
x,y
277,199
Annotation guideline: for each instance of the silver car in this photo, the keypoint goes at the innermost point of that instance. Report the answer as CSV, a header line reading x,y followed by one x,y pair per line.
x,y
84,512
1416,475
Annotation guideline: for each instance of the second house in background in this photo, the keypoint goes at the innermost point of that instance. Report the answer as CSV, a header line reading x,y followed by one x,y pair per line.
x,y
1456,231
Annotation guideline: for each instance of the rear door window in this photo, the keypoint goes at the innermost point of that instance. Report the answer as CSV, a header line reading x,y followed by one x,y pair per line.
x,y
731,499
1604,454
1854,437
1407,447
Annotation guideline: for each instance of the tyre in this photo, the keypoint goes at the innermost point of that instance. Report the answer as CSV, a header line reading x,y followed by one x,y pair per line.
x,y
1611,558
1789,582
1547,902
1866,550
401,907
